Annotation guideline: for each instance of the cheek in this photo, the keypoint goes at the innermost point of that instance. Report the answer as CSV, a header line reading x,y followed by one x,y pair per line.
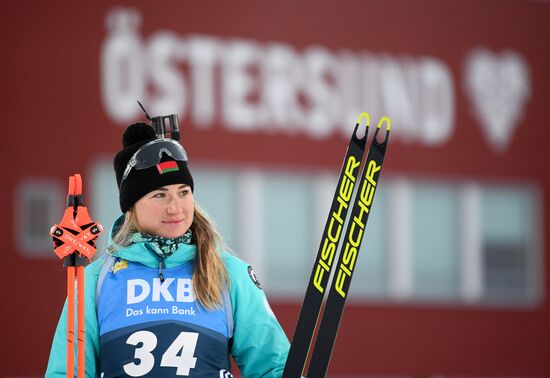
x,y
190,203
190,209
145,214
141,220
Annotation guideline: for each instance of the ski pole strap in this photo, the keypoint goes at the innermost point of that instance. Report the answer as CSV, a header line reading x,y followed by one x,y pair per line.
x,y
76,232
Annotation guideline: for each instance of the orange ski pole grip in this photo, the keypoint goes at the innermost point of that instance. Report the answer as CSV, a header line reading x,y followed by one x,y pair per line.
x,y
76,230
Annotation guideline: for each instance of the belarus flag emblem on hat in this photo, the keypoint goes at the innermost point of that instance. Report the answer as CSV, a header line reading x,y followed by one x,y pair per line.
x,y
167,166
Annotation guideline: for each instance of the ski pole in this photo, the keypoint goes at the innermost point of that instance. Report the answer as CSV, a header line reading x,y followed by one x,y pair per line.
x,y
74,242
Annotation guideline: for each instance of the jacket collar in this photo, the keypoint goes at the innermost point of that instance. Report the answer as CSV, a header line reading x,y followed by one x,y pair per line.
x,y
142,252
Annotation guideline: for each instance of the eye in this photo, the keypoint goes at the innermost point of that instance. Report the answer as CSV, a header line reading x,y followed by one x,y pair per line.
x,y
159,195
185,192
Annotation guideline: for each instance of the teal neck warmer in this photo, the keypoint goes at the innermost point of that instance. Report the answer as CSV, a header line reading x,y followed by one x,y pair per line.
x,y
163,247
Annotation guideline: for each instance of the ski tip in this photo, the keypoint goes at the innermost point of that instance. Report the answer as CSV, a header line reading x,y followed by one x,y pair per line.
x,y
387,120
364,115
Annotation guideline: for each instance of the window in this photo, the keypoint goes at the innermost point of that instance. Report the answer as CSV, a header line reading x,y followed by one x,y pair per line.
x,y
288,252
434,226
39,205
102,201
426,240
216,193
509,244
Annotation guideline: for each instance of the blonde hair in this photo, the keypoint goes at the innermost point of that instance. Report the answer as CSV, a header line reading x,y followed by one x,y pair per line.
x,y
210,276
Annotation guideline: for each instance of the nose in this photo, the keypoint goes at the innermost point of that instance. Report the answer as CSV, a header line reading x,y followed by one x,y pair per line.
x,y
175,205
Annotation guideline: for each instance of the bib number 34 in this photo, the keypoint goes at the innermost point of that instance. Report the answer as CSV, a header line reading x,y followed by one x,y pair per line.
x,y
180,354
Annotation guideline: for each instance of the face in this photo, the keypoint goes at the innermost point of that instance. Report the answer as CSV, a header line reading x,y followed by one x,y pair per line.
x,y
166,212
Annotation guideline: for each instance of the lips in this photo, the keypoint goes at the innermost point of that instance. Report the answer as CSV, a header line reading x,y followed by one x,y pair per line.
x,y
175,221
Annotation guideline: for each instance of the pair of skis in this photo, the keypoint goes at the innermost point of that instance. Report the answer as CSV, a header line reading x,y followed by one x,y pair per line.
x,y
331,248
74,242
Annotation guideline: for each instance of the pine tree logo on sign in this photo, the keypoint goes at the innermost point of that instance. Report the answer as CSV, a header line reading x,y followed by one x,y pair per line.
x,y
498,86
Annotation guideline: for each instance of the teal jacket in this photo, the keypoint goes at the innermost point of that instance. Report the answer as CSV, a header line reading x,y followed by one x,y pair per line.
x,y
260,347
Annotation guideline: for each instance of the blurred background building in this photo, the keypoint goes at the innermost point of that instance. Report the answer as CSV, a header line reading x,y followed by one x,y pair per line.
x,y
452,279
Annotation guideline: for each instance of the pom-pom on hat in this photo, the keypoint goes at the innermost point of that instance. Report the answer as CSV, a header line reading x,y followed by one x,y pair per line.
x,y
139,182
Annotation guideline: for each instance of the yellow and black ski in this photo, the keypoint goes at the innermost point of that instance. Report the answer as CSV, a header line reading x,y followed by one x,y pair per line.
x,y
328,251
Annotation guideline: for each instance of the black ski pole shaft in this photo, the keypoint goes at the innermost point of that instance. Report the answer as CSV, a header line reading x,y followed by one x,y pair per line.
x,y
347,259
316,289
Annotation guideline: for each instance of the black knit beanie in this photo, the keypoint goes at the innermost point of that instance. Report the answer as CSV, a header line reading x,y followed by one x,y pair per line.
x,y
142,181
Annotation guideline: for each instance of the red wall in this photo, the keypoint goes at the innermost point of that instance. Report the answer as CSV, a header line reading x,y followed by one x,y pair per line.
x,y
55,123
